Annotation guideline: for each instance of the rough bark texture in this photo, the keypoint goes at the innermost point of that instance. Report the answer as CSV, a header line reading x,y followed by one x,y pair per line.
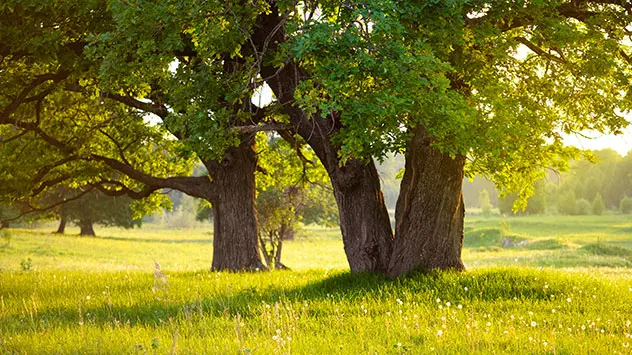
x,y
430,211
235,243
87,228
62,225
364,221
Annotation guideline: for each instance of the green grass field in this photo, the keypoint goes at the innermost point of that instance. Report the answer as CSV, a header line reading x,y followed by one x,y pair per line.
x,y
550,285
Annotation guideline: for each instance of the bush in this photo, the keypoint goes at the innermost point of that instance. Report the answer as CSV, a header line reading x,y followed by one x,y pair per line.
x,y
625,206
598,207
583,207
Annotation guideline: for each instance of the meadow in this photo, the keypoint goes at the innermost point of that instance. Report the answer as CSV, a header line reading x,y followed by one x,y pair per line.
x,y
543,284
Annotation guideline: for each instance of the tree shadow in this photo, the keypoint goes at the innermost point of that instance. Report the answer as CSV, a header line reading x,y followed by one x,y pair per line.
x,y
160,241
346,287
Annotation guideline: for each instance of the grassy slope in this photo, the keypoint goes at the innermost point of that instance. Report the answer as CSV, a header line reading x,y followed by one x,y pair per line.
x,y
123,305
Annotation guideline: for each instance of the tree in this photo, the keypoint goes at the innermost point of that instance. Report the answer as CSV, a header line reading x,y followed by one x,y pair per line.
x,y
583,207
291,183
598,206
484,203
97,208
439,82
625,206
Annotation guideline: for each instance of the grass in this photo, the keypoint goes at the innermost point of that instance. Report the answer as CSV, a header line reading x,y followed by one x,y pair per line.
x,y
66,294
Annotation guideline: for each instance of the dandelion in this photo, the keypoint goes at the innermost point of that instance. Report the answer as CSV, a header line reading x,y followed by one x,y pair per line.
x,y
533,324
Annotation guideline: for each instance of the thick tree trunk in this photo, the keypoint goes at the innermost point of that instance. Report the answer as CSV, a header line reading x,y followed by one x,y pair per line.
x,y
235,240
430,211
364,221
62,225
86,227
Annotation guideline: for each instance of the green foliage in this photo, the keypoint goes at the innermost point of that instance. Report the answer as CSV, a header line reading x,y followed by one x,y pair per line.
x,y
625,206
583,207
598,206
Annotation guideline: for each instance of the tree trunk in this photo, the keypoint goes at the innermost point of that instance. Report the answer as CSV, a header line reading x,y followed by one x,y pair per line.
x,y
364,221
430,211
235,240
87,228
62,225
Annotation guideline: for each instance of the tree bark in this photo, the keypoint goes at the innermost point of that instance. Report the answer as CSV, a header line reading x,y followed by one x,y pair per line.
x,y
364,221
430,211
86,227
62,225
235,239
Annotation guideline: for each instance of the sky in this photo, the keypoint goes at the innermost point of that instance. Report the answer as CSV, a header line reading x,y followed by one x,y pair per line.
x,y
621,143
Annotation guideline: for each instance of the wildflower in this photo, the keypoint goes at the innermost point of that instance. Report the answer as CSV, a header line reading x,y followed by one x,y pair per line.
x,y
545,343
459,306
399,301
466,289
448,304
568,299
438,300
530,338
88,298
439,332
506,332
583,327
533,324
553,310
489,324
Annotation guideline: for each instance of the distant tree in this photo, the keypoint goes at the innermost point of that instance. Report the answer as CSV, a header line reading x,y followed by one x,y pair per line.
x,y
567,203
625,206
97,208
583,207
598,205
484,202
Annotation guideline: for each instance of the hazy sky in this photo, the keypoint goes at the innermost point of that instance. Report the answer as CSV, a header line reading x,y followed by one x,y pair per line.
x,y
620,143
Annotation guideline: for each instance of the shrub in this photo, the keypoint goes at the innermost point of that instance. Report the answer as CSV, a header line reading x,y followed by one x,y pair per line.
x,y
625,206
598,207
583,207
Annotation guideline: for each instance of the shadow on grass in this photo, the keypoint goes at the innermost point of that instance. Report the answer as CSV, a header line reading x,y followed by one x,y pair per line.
x,y
160,241
489,286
